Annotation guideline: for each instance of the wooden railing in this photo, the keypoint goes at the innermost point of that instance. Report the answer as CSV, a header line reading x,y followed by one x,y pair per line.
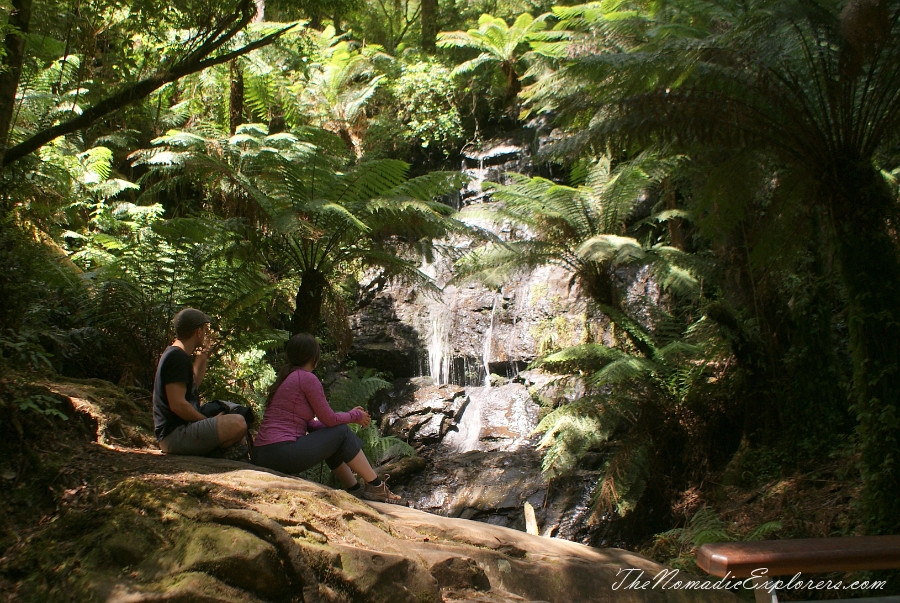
x,y
762,561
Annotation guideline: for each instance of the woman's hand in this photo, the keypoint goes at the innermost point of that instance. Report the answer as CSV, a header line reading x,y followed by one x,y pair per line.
x,y
365,419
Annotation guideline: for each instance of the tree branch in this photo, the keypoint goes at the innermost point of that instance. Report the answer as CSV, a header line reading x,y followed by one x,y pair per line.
x,y
193,63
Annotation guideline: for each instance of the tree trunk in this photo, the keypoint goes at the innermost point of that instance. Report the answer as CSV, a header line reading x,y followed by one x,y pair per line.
x,y
429,25
869,266
676,238
11,71
236,98
308,309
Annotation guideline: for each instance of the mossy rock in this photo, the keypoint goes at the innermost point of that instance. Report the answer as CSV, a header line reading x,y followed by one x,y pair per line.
x,y
134,525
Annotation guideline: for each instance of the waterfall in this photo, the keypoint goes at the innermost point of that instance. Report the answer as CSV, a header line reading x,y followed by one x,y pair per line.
x,y
438,346
470,426
486,351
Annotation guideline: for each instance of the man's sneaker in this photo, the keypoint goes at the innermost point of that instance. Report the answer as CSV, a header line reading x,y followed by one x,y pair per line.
x,y
381,493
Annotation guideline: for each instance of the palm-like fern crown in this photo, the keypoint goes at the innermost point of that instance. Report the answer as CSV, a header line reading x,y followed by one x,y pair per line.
x,y
495,40
801,79
307,190
503,44
338,87
586,228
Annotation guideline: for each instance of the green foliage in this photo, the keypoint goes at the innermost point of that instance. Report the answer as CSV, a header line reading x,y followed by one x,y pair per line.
x,y
240,369
391,25
571,431
41,404
423,109
584,228
787,111
503,46
380,449
270,74
339,87
598,229
18,351
143,268
639,399
739,155
17,393
322,216
677,547
355,388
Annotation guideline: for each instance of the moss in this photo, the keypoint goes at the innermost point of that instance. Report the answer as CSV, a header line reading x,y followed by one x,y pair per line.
x,y
538,292
233,556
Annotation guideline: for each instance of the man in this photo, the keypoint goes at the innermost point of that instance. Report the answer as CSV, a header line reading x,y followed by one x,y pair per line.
x,y
180,426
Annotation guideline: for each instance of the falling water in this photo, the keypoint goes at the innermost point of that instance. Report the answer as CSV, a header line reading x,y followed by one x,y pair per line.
x,y
479,439
486,350
438,346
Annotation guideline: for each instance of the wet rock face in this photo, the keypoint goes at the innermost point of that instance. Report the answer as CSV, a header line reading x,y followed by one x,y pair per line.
x,y
432,413
384,341
473,412
478,453
456,419
461,333
470,330
494,419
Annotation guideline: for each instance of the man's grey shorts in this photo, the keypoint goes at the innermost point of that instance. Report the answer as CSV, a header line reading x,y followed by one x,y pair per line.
x,y
194,439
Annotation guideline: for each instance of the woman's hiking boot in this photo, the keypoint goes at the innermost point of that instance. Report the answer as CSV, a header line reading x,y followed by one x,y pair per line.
x,y
381,493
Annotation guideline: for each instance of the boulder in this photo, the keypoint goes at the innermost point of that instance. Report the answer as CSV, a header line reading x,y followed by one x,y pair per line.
x,y
217,530
133,525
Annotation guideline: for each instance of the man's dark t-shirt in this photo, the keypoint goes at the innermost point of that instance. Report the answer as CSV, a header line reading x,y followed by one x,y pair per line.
x,y
175,366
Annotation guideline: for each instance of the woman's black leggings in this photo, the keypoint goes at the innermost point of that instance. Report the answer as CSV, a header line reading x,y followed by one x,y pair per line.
x,y
334,445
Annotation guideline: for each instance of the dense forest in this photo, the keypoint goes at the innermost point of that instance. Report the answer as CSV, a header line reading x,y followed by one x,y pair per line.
x,y
275,163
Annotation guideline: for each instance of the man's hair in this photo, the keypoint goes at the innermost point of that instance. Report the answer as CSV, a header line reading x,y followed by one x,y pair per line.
x,y
189,320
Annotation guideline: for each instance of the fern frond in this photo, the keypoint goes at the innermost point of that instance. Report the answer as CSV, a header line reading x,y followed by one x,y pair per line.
x,y
763,531
611,248
380,448
704,527
589,357
625,477
570,431
356,389
624,369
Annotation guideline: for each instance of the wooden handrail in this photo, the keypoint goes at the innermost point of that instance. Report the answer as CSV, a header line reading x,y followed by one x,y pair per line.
x,y
807,555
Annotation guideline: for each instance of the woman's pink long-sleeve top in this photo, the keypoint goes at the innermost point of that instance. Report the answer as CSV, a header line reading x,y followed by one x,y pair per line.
x,y
297,403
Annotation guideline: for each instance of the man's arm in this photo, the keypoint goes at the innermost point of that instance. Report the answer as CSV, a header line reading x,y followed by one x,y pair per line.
x,y
201,360
176,394
200,363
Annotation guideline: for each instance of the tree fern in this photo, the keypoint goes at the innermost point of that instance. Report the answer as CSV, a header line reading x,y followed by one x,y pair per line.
x,y
320,213
502,44
798,98
625,476
634,396
572,430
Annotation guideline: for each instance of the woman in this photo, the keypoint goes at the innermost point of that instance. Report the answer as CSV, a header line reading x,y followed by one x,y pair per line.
x,y
299,429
